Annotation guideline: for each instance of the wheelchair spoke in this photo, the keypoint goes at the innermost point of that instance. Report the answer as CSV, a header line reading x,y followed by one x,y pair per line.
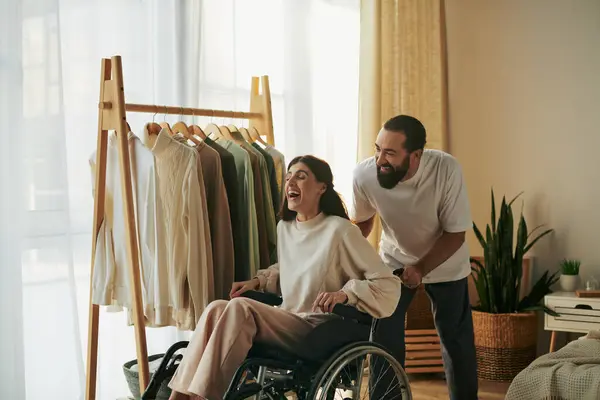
x,y
346,371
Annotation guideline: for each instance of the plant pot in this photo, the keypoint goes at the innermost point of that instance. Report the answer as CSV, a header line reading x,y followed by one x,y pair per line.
x,y
569,283
505,344
419,315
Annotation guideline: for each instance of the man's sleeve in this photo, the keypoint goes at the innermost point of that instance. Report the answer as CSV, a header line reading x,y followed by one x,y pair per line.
x,y
455,211
361,209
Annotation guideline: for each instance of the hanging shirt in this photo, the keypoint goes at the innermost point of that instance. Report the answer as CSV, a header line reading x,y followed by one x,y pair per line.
x,y
110,278
231,186
267,227
248,217
218,215
280,169
272,182
187,242
259,199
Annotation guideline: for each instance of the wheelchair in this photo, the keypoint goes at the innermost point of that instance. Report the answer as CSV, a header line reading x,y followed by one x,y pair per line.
x,y
326,365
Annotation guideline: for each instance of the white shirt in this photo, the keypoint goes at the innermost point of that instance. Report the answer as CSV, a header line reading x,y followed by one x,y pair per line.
x,y
110,279
327,254
416,212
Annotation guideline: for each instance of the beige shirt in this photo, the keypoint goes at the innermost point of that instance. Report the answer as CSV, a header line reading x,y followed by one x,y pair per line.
x,y
209,166
189,268
327,254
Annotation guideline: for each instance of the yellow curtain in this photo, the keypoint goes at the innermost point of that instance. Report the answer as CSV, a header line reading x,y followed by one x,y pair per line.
x,y
402,71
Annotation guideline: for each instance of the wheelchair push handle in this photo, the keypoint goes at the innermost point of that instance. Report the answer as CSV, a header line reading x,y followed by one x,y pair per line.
x,y
398,272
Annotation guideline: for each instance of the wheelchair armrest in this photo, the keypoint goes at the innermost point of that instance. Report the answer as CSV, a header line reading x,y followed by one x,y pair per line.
x,y
350,312
263,297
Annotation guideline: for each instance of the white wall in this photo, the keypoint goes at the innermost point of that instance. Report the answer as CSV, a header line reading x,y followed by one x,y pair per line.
x,y
524,95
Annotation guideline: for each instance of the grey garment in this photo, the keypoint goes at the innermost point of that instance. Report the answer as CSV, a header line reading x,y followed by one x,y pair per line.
x,y
454,323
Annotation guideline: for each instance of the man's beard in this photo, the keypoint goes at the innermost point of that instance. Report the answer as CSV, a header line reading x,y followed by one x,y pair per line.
x,y
389,180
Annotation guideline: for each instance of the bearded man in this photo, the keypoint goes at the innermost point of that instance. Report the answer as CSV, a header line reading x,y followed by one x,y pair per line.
x,y
421,199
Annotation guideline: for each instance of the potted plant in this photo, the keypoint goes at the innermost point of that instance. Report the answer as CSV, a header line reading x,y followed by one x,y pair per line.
x,y
569,277
505,325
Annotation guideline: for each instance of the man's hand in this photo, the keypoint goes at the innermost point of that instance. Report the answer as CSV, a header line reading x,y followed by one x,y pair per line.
x,y
412,277
240,287
325,301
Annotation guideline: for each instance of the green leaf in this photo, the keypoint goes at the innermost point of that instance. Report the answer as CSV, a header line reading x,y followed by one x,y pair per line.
x,y
515,198
493,211
480,280
479,236
534,241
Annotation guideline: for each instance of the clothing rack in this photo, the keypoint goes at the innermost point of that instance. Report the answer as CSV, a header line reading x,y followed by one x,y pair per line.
x,y
111,116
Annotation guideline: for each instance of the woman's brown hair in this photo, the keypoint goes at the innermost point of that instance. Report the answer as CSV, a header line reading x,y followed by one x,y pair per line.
x,y
331,203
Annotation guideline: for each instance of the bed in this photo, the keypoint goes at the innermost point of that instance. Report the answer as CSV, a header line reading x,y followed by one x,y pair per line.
x,y
571,373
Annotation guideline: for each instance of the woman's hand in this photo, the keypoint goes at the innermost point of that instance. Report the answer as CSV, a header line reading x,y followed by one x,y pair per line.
x,y
325,301
240,287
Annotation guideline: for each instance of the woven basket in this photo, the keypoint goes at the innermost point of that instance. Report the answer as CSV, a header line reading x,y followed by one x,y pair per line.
x,y
505,343
133,381
418,315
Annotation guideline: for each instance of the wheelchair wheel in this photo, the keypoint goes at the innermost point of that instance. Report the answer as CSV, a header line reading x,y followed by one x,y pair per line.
x,y
361,371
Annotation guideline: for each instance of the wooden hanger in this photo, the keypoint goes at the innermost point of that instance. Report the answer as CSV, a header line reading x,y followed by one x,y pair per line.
x,y
246,135
234,128
227,133
153,127
165,124
254,134
196,130
213,129
181,128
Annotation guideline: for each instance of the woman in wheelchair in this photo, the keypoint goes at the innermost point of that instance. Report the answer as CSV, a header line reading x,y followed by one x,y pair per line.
x,y
323,260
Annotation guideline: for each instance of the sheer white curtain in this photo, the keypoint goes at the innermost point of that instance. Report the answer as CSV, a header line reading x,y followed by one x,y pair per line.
x,y
193,53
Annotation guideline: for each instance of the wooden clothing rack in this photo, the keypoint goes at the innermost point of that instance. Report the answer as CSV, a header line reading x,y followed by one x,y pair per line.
x,y
111,116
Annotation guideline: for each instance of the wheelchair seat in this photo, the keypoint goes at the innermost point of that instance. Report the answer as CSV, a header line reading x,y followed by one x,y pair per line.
x,y
331,357
323,340
319,344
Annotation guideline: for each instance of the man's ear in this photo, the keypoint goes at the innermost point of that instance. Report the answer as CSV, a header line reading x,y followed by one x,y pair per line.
x,y
417,154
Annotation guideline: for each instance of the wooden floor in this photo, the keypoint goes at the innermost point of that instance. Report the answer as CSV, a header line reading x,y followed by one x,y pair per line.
x,y
433,387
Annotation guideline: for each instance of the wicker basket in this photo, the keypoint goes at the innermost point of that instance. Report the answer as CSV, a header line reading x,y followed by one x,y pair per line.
x,y
505,343
418,315
133,381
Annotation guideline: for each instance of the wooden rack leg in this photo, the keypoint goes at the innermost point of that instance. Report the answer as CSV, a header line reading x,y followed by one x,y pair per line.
x,y
99,196
130,225
112,116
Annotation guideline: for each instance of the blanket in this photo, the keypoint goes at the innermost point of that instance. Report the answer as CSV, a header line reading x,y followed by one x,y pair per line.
x,y
571,373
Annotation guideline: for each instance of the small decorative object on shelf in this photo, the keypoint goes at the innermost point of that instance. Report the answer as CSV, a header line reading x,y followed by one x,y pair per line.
x,y
591,284
569,278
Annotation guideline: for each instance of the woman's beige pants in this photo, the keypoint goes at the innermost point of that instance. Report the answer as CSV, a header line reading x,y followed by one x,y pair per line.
x,y
222,339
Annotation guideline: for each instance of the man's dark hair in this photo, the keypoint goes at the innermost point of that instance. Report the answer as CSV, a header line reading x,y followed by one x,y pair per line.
x,y
412,128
